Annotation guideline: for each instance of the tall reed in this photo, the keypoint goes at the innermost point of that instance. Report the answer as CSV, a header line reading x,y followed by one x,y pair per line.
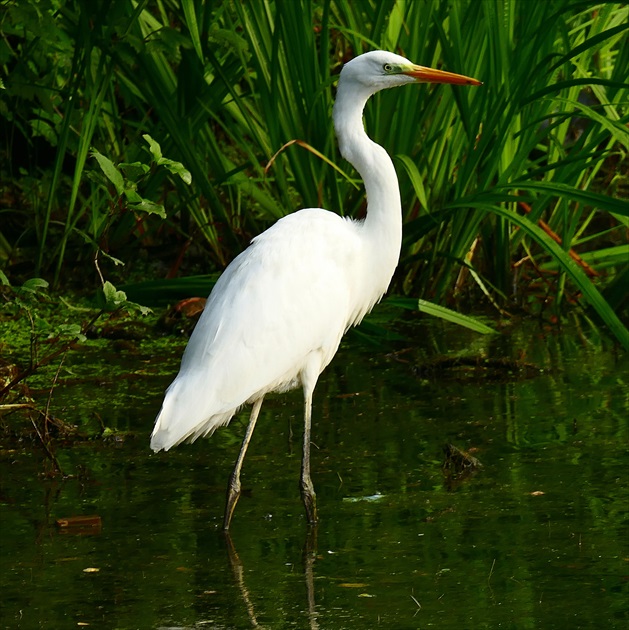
x,y
514,194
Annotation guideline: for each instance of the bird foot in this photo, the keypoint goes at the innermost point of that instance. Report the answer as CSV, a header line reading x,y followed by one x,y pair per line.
x,y
233,494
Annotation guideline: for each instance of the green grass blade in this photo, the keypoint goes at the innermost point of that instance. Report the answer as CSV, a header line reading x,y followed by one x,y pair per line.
x,y
574,271
442,312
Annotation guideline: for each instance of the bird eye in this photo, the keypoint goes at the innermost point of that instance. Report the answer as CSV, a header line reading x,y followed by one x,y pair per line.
x,y
387,67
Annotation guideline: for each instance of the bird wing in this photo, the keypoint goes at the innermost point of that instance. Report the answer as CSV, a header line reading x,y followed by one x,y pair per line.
x,y
280,305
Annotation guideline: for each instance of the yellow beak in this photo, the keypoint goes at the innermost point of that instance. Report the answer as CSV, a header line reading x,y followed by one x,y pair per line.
x,y
430,75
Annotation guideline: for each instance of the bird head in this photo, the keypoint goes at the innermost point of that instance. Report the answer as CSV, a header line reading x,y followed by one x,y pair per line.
x,y
379,69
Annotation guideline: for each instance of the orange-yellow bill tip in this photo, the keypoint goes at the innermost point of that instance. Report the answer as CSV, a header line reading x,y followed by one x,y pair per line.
x,y
430,75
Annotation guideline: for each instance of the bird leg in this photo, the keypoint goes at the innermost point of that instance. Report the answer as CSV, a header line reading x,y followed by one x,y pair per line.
x,y
233,487
308,495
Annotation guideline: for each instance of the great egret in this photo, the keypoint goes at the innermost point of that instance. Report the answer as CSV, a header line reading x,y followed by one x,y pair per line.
x,y
276,316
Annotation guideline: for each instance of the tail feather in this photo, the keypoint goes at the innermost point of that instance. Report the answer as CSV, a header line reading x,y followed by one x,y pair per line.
x,y
184,418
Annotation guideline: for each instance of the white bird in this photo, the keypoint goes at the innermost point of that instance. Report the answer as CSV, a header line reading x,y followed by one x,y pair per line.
x,y
276,316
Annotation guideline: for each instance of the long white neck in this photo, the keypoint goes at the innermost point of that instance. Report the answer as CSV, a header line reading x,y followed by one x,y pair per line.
x,y
382,227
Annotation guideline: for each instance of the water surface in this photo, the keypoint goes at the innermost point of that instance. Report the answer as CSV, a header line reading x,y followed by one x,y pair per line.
x,y
537,538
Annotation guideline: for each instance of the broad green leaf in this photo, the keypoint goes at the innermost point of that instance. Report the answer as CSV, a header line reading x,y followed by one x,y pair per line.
x,y
177,168
154,148
132,196
149,207
134,170
113,297
34,284
110,171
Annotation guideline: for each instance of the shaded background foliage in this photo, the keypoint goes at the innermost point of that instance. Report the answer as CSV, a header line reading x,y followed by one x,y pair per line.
x,y
514,194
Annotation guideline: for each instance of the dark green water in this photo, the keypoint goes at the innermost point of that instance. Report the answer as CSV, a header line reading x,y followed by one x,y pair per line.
x,y
538,538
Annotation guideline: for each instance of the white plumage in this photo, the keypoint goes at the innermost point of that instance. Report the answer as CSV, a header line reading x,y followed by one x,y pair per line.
x,y
276,316
254,336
